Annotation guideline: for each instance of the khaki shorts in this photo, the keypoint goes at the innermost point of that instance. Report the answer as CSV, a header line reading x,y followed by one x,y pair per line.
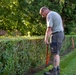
x,y
56,42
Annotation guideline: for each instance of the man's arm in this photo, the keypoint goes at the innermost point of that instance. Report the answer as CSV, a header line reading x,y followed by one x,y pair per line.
x,y
47,35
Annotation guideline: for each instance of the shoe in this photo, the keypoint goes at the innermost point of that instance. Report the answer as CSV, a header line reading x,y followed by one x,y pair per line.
x,y
54,71
51,70
47,73
58,70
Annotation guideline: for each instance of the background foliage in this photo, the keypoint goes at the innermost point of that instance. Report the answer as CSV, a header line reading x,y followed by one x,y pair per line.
x,y
22,16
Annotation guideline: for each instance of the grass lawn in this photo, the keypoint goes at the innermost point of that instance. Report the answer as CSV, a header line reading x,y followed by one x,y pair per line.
x,y
70,69
68,65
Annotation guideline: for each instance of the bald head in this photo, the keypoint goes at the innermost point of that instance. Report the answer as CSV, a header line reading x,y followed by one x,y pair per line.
x,y
44,11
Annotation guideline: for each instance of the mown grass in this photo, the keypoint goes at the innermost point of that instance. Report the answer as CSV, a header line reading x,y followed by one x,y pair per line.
x,y
68,65
70,69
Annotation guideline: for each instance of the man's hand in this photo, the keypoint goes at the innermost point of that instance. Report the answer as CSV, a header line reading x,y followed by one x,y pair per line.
x,y
47,35
46,41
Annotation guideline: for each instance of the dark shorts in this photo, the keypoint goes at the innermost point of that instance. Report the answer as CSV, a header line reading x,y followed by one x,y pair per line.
x,y
57,39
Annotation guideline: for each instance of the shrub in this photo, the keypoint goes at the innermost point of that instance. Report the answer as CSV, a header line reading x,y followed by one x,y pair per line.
x,y
18,55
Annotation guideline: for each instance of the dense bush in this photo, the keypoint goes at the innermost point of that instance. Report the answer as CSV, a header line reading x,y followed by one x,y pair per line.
x,y
18,55
68,44
22,16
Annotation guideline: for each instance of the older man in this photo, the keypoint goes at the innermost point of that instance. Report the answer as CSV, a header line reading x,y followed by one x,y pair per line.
x,y
54,28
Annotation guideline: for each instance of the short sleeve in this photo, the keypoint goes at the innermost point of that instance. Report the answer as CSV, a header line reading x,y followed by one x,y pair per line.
x,y
49,21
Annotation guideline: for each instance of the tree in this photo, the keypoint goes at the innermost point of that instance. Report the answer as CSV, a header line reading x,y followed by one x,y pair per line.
x,y
23,15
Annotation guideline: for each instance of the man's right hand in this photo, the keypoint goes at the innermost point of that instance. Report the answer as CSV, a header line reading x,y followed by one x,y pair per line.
x,y
46,41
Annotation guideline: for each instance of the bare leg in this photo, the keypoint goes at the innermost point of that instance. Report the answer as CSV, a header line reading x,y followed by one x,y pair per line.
x,y
56,60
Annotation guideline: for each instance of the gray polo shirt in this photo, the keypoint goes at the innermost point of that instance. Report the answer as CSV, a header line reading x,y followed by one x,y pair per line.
x,y
54,21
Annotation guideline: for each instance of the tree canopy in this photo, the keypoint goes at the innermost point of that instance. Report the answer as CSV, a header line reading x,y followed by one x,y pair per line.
x,y
23,15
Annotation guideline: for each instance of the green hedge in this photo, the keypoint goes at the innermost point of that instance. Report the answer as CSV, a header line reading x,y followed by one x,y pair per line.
x,y
18,55
67,44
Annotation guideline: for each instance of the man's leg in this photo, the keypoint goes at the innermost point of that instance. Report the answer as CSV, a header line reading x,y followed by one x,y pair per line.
x,y
55,49
56,63
57,40
56,60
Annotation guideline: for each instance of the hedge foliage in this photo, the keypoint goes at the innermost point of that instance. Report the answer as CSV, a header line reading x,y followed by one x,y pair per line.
x,y
18,55
67,44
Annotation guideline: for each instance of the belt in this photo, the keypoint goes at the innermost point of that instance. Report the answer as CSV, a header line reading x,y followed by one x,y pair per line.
x,y
57,32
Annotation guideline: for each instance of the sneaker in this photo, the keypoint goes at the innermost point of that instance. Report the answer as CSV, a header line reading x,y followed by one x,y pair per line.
x,y
47,73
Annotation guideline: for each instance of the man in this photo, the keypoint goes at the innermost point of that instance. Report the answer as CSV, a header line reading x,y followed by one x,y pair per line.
x,y
54,28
